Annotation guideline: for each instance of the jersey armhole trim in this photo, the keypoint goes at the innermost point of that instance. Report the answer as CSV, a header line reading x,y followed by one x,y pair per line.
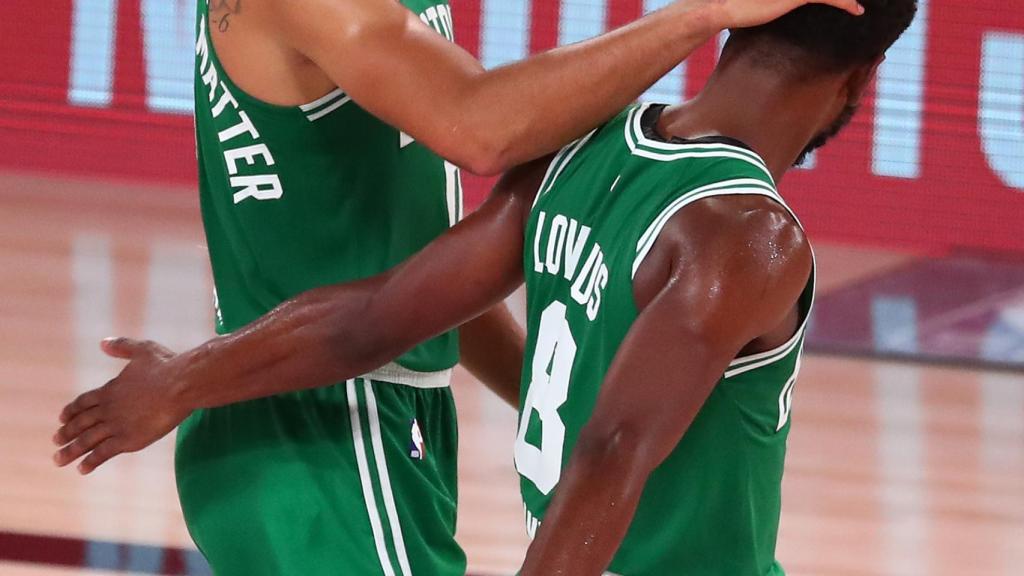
x,y
754,361
731,188
207,57
743,187
558,163
325,105
761,359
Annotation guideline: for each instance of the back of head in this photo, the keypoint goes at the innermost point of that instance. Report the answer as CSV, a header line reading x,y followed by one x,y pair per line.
x,y
817,38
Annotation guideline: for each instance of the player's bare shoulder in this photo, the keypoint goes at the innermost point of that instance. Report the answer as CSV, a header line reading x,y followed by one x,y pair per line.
x,y
730,238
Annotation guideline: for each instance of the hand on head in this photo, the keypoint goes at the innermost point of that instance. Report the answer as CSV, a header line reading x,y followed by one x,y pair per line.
x,y
747,13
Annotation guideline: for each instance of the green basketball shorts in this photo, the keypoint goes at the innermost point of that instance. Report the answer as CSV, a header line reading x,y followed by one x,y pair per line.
x,y
356,479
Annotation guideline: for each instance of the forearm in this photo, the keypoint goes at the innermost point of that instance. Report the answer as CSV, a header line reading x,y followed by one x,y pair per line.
x,y
337,332
535,106
491,347
591,512
304,343
487,121
406,74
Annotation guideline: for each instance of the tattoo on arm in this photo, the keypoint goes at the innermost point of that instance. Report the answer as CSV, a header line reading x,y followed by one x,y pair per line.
x,y
221,10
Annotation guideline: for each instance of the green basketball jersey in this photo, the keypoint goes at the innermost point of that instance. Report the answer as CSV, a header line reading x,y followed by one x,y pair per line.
x,y
712,508
295,197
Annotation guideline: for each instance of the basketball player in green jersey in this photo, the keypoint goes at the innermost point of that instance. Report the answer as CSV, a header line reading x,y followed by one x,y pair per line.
x,y
303,184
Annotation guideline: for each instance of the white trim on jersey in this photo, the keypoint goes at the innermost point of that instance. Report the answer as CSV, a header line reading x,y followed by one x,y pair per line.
x,y
668,152
627,129
643,140
325,105
393,373
451,176
773,355
769,355
740,186
324,112
551,168
679,204
365,481
460,202
736,183
558,164
660,157
322,100
786,396
385,479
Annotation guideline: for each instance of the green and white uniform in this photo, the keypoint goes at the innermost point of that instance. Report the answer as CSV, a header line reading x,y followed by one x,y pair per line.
x,y
356,478
712,508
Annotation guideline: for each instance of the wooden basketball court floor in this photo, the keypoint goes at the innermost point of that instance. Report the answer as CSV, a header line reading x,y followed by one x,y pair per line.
x,y
894,469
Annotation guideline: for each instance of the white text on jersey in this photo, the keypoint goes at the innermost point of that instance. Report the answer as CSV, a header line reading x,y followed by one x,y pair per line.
x,y
258,186
439,17
532,523
563,241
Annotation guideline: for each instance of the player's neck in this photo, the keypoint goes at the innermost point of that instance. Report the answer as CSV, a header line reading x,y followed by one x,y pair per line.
x,y
775,117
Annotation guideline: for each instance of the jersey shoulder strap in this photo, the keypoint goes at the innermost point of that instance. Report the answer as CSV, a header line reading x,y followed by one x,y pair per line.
x,y
739,185
600,137
701,168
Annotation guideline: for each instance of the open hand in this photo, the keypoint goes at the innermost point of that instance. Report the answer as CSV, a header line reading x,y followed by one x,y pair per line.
x,y
747,13
126,414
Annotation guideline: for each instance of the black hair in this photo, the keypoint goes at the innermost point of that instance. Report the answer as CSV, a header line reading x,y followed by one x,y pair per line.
x,y
830,38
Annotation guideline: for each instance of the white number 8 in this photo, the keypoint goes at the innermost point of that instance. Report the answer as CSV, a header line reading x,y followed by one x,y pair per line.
x,y
555,348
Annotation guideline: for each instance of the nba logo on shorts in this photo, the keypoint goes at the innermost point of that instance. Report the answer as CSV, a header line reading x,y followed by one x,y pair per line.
x,y
416,448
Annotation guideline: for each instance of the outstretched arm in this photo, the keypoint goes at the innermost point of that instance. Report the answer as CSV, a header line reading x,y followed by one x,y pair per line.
x,y
403,72
322,336
723,272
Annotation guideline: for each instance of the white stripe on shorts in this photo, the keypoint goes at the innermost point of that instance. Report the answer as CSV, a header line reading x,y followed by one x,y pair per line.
x,y
364,479
385,479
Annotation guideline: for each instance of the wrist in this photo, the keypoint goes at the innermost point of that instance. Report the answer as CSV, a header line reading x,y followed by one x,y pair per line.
x,y
703,17
182,374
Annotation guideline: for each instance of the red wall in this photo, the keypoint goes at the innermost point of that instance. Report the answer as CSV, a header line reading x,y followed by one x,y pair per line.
x,y
956,201
41,130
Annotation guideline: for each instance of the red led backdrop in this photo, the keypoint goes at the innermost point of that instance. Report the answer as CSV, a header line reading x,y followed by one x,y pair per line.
x,y
935,163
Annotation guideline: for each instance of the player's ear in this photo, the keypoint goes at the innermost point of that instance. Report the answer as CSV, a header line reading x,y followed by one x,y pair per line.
x,y
859,80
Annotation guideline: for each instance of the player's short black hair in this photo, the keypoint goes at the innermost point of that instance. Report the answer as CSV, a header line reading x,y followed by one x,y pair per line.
x,y
830,38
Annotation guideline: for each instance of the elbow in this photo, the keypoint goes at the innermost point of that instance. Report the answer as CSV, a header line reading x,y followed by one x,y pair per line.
x,y
347,350
486,165
483,148
486,134
482,155
618,448
354,347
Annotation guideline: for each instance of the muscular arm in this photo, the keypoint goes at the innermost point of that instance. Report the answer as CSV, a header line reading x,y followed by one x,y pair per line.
x,y
403,72
723,272
320,337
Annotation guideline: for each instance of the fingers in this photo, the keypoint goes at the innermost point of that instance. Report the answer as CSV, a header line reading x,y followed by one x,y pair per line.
x,y
128,348
80,423
105,451
79,405
852,6
124,348
86,442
